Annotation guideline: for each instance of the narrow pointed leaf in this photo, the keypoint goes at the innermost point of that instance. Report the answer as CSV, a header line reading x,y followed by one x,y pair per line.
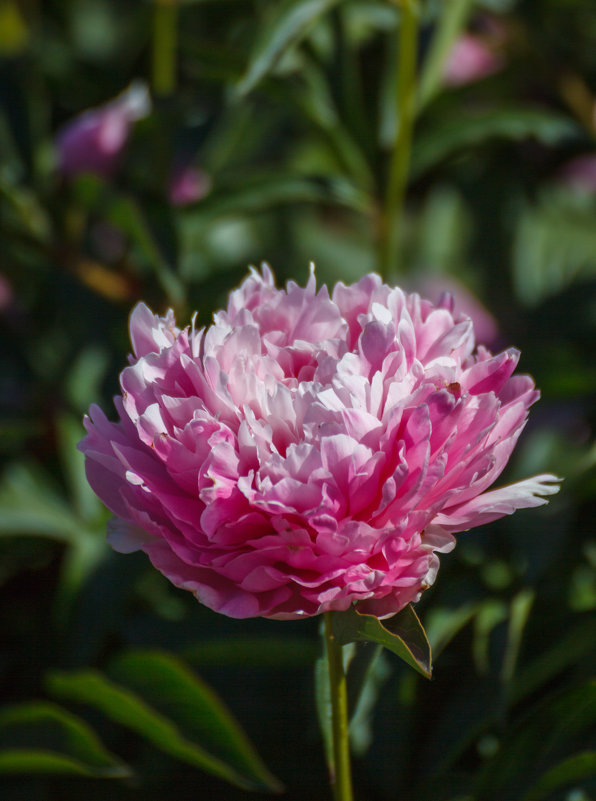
x,y
452,134
402,634
452,21
174,689
571,770
538,740
289,23
129,709
39,737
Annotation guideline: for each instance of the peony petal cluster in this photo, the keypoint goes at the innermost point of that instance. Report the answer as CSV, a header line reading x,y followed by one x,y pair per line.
x,y
308,451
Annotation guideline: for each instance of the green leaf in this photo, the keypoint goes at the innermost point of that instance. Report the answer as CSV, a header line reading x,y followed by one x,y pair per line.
x,y
454,132
169,684
86,502
445,624
367,673
126,213
195,709
538,739
554,245
565,652
287,26
260,192
314,98
451,23
39,737
521,605
402,634
573,769
30,506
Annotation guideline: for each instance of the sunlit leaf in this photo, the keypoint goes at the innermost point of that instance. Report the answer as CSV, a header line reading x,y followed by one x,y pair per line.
x,y
402,634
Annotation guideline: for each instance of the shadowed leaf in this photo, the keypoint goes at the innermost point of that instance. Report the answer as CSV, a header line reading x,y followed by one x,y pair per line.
x,y
39,737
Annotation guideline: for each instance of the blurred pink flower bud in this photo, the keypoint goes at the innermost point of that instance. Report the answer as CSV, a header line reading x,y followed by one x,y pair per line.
x,y
188,184
93,141
6,293
309,449
471,59
580,173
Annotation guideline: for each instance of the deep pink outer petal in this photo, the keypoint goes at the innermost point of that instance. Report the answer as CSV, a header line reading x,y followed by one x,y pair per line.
x,y
306,452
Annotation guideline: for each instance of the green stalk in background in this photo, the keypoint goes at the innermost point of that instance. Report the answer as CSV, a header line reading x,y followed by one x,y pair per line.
x,y
165,42
341,778
390,221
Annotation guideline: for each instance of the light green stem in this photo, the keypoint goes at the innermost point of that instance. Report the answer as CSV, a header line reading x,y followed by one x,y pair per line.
x,y
341,779
390,222
165,42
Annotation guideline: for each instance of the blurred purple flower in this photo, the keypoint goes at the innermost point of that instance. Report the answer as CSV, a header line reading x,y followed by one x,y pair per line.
x,y
7,296
93,141
471,59
187,185
580,173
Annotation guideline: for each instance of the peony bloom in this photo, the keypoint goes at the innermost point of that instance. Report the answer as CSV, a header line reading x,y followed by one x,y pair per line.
x,y
307,451
471,59
94,141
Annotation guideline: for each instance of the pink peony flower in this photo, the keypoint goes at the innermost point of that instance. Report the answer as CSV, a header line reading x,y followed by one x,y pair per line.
x,y
486,329
93,141
307,451
471,59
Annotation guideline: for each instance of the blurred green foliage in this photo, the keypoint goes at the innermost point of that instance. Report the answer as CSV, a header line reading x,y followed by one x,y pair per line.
x,y
111,678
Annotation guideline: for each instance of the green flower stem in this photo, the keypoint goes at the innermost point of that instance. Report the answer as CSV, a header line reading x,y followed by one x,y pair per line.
x,y
341,779
165,42
390,222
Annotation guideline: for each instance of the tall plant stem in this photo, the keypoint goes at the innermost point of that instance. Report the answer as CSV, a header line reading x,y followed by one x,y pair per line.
x,y
165,42
390,220
342,778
